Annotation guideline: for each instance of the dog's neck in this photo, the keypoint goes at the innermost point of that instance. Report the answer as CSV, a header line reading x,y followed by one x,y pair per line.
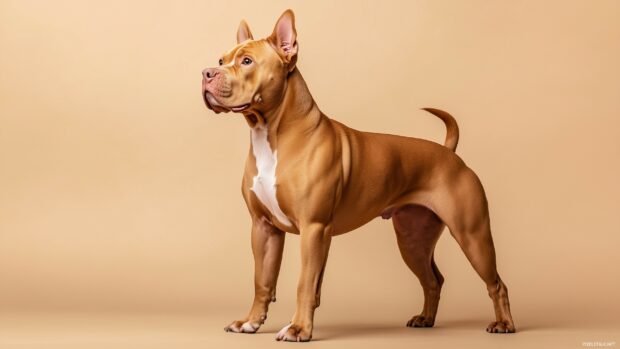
x,y
297,113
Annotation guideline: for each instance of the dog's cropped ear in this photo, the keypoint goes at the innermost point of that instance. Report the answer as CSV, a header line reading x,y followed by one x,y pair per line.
x,y
284,38
244,33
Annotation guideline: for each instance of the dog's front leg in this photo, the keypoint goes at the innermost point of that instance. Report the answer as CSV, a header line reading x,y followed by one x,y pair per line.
x,y
315,241
267,246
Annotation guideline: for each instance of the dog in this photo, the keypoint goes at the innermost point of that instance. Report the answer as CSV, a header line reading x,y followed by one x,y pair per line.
x,y
310,175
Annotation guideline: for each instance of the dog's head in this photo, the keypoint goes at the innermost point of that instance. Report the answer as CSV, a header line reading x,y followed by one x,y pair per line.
x,y
253,74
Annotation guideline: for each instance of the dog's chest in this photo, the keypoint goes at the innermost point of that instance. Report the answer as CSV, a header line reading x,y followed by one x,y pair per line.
x,y
264,183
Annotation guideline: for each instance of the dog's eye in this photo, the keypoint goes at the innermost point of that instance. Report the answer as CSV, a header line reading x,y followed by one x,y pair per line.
x,y
221,61
246,61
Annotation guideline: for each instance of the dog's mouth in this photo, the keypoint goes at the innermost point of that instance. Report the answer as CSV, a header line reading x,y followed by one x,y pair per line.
x,y
212,103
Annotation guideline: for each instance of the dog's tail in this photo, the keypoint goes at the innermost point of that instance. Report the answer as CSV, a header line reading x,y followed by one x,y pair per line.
x,y
452,134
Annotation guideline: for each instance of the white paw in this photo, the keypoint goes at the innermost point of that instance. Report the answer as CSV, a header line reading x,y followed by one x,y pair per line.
x,y
249,327
238,327
282,332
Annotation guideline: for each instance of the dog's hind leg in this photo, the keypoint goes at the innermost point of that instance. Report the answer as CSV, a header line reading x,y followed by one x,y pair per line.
x,y
417,231
464,209
478,247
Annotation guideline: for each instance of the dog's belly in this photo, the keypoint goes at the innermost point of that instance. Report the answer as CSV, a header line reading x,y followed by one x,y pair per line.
x,y
264,183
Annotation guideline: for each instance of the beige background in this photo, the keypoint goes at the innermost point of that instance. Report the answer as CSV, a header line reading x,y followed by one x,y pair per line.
x,y
121,220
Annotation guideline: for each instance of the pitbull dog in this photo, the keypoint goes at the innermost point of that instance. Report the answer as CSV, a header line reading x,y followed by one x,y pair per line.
x,y
310,175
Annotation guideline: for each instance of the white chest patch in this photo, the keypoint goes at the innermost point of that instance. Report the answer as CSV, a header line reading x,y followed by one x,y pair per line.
x,y
264,183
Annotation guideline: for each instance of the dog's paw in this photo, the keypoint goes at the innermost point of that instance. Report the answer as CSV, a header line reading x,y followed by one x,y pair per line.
x,y
242,327
293,333
421,321
500,327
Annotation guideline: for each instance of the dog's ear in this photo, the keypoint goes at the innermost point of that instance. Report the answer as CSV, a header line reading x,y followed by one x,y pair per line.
x,y
244,33
284,38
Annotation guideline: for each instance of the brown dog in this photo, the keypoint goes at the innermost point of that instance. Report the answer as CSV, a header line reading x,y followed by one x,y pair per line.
x,y
310,175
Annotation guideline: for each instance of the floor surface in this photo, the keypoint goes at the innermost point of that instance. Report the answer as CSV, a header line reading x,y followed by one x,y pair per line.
x,y
83,330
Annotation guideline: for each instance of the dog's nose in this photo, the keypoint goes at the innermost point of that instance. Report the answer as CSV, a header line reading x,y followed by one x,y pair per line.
x,y
209,74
